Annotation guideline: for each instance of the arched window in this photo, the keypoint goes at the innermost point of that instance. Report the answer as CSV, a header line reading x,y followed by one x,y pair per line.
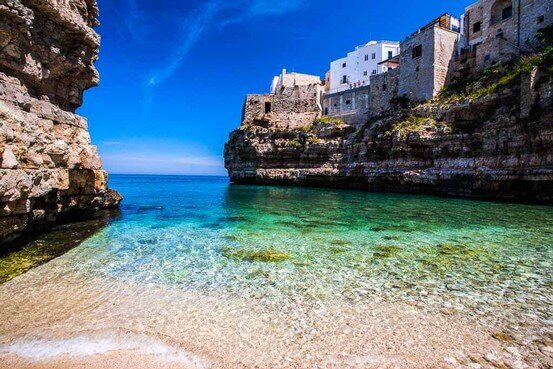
x,y
501,10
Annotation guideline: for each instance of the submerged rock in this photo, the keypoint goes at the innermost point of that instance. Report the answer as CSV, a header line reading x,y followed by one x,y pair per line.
x,y
257,255
49,171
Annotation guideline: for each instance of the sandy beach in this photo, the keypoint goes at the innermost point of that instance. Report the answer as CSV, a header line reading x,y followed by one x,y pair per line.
x,y
189,330
113,360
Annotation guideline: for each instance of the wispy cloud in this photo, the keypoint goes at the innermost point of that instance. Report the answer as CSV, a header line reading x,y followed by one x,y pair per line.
x,y
192,30
133,18
117,143
136,155
199,20
264,7
150,163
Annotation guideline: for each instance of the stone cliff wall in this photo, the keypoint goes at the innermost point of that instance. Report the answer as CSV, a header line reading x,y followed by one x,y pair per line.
x,y
475,147
49,171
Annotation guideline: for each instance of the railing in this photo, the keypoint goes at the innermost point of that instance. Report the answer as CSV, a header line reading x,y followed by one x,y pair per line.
x,y
349,86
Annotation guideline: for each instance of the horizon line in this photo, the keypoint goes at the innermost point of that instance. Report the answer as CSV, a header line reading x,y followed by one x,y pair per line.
x,y
167,175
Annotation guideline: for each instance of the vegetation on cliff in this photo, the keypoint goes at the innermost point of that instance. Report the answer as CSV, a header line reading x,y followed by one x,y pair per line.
x,y
504,75
417,124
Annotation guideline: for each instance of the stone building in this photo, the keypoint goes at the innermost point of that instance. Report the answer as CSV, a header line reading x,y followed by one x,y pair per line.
x,y
499,30
295,102
352,106
287,81
427,57
383,92
347,83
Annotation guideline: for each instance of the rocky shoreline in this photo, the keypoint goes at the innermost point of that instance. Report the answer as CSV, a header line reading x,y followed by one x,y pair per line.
x,y
49,171
497,146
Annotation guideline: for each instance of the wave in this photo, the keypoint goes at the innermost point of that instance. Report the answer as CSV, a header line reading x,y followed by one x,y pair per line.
x,y
82,346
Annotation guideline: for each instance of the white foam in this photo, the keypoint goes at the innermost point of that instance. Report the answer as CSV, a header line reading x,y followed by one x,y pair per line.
x,y
82,346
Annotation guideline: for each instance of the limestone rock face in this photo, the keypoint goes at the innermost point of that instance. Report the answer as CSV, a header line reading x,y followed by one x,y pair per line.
x,y
499,146
49,171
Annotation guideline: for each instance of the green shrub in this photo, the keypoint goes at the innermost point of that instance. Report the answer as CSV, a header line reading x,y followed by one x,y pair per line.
x,y
414,123
330,120
294,143
498,77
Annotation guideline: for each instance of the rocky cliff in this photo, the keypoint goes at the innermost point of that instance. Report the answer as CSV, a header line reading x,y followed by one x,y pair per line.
x,y
49,171
492,139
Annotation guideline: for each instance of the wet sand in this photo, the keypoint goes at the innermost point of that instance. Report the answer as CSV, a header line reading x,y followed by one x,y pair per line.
x,y
117,324
113,360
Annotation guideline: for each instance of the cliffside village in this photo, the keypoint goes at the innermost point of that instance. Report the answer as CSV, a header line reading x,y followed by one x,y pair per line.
x,y
375,77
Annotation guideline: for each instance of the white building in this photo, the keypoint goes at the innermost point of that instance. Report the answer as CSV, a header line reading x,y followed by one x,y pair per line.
x,y
356,68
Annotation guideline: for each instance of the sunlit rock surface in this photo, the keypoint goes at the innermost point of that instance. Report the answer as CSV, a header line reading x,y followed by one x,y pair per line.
x,y
498,146
49,171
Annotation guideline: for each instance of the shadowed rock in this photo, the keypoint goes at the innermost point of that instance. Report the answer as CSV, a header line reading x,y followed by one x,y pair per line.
x,y
49,171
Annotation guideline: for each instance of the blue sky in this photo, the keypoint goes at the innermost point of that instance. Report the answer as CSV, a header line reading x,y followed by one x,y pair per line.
x,y
174,73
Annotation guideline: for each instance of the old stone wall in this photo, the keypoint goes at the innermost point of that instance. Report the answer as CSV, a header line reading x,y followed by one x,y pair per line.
x,y
384,88
352,106
445,48
422,77
534,15
49,171
502,37
294,107
286,83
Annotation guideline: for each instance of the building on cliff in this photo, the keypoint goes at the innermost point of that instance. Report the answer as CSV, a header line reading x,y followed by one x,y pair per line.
x,y
499,30
294,101
347,82
49,171
426,58
379,76
287,82
490,139
422,69
355,69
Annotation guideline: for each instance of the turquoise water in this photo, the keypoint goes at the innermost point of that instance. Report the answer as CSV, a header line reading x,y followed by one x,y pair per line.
x,y
285,243
248,276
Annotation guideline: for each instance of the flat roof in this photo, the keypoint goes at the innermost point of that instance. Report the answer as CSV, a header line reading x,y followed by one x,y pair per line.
x,y
393,59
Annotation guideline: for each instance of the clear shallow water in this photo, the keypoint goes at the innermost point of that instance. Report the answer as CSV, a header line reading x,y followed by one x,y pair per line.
x,y
298,249
201,233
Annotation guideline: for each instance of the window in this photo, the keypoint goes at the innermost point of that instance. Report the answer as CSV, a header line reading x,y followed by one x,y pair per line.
x,y
343,65
267,107
366,57
348,102
507,12
374,56
374,71
500,11
476,27
365,73
326,111
344,79
541,19
417,51
390,54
